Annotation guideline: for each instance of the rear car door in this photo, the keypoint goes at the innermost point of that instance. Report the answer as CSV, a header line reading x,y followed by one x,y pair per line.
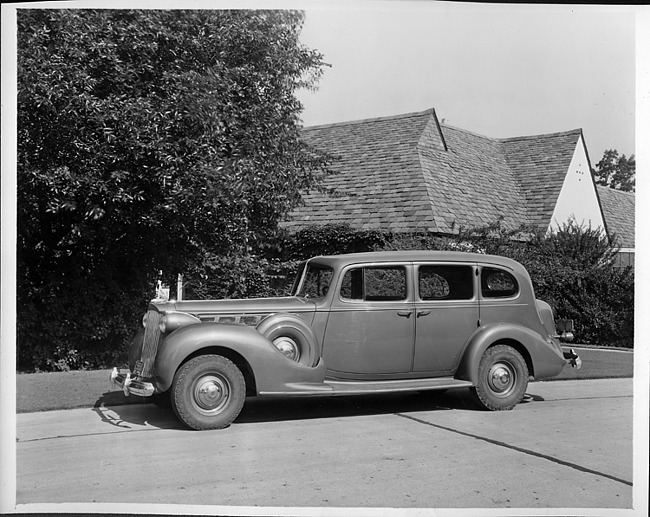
x,y
501,298
447,314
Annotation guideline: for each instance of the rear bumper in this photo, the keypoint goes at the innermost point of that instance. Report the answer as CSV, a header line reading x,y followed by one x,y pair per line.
x,y
130,385
573,359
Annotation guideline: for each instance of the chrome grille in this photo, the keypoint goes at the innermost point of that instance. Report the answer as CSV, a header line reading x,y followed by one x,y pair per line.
x,y
151,341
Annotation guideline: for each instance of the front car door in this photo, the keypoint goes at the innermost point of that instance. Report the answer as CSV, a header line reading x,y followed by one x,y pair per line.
x,y
371,324
447,314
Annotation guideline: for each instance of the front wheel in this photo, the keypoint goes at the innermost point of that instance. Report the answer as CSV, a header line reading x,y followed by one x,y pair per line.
x,y
208,392
502,378
161,400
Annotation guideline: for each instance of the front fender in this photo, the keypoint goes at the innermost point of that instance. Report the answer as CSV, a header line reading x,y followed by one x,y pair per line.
x,y
545,360
273,371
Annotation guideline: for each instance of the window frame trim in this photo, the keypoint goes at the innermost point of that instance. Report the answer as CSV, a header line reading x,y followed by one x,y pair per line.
x,y
408,274
511,272
416,282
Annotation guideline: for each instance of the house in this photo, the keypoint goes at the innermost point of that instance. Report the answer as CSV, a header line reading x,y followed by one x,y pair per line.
x,y
412,173
618,209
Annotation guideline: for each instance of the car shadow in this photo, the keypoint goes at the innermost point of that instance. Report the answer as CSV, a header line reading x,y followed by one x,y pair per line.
x,y
283,409
126,412
259,409
530,397
115,409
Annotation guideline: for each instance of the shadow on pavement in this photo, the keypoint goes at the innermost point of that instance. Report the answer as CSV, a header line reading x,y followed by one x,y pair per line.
x,y
258,409
262,410
529,397
265,409
117,410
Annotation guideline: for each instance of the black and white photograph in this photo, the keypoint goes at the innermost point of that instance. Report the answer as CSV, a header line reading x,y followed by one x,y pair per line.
x,y
325,258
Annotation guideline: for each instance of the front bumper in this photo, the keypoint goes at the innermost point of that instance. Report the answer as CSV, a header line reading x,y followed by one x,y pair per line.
x,y
572,358
129,385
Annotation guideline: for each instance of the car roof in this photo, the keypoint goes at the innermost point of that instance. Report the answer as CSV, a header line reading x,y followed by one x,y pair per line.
x,y
415,256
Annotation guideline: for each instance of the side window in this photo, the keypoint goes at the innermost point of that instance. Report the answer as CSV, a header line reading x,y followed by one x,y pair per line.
x,y
317,282
497,283
374,284
445,282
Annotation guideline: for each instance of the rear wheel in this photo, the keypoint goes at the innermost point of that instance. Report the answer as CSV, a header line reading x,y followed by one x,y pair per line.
x,y
502,378
208,392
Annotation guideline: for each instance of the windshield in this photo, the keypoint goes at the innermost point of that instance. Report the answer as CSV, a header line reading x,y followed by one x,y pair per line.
x,y
314,282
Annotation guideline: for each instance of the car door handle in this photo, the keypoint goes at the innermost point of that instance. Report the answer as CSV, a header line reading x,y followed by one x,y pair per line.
x,y
423,313
404,314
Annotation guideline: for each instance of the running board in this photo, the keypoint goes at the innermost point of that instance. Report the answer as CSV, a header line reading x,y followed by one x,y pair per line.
x,y
338,387
361,387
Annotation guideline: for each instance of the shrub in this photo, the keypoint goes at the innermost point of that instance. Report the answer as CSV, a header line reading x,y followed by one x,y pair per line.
x,y
288,250
328,239
77,323
228,276
573,270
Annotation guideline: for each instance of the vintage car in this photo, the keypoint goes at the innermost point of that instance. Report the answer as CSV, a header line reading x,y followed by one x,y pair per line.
x,y
354,324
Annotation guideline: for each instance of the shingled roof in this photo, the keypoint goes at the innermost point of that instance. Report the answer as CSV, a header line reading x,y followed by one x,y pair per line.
x,y
618,209
409,173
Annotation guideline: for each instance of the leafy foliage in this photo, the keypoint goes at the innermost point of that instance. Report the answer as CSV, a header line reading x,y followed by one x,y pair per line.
x,y
144,139
287,250
328,239
572,269
617,172
229,276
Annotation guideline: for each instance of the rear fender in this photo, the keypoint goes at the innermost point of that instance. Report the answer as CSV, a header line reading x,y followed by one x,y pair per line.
x,y
546,315
544,359
272,370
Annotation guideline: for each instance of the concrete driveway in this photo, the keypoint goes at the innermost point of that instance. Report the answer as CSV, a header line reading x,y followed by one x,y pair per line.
x,y
567,445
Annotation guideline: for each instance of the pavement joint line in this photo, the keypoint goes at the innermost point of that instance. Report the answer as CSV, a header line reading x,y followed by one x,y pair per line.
x,y
519,449
588,398
105,419
84,435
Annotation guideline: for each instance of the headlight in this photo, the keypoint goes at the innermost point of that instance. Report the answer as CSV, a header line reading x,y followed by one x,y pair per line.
x,y
173,320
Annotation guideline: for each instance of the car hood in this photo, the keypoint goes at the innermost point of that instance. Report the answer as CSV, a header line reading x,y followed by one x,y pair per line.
x,y
220,310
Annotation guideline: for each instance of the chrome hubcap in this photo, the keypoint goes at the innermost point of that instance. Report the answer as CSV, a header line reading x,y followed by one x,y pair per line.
x,y
211,394
501,379
288,347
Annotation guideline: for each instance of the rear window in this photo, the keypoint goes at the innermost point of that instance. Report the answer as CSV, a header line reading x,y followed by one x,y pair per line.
x,y
497,283
445,282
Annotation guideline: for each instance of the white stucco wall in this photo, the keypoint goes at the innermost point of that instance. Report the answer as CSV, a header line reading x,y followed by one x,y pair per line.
x,y
578,198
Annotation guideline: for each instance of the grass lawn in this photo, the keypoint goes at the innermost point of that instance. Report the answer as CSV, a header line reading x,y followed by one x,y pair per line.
x,y
67,390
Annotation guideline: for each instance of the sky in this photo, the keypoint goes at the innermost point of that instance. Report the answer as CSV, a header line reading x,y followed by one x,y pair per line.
x,y
496,70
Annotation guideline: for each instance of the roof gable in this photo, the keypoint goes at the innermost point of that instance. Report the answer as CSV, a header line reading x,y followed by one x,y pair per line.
x,y
541,163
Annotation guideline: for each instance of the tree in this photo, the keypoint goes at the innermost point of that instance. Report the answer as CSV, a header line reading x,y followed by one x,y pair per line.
x,y
617,172
145,139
